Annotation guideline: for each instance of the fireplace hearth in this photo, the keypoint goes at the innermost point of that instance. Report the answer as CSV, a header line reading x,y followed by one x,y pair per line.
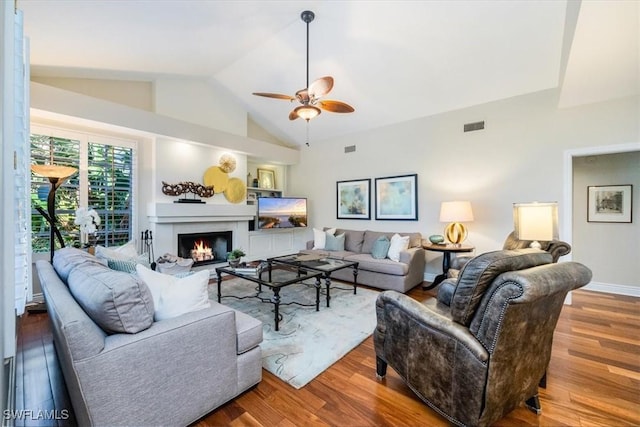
x,y
205,248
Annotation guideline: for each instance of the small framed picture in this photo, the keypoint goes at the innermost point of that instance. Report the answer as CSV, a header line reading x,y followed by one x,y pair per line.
x,y
609,203
353,199
252,197
266,178
397,198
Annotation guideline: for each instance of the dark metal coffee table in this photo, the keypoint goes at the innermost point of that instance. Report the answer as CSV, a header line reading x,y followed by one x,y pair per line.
x,y
322,264
274,279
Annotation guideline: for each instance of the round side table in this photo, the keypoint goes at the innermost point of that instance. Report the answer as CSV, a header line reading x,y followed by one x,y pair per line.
x,y
447,250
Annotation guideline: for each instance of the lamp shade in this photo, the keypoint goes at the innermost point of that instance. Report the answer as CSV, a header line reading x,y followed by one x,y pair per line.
x,y
536,221
456,212
54,171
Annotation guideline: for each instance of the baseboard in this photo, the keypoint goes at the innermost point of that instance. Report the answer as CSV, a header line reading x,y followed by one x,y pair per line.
x,y
628,290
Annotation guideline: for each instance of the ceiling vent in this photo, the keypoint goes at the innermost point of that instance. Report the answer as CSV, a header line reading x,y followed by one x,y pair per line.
x,y
470,127
350,149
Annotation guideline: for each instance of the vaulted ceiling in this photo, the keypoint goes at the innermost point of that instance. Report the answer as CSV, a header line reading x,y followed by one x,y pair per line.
x,y
392,60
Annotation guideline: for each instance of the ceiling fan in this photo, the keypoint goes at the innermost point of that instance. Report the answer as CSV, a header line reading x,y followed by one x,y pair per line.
x,y
310,96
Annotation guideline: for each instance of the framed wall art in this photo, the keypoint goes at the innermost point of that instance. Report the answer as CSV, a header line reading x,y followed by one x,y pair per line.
x,y
266,178
397,198
609,203
353,199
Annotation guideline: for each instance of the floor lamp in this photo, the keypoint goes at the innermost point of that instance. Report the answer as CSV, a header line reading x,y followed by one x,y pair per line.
x,y
56,175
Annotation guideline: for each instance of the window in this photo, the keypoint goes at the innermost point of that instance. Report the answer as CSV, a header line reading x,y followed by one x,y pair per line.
x,y
104,182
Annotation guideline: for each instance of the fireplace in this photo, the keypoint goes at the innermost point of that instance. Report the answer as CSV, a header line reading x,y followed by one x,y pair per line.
x,y
205,248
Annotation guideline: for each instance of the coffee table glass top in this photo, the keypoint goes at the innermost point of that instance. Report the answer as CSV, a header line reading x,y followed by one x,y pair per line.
x,y
314,262
279,276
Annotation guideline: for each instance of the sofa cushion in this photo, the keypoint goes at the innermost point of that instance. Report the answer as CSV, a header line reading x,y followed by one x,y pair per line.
x,y
173,296
384,266
352,240
335,243
380,247
249,330
398,244
479,272
370,238
66,259
115,301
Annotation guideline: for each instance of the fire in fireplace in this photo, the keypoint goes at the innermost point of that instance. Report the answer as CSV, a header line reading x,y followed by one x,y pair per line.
x,y
205,248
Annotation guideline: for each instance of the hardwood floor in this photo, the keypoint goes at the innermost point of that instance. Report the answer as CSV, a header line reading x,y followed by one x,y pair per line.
x,y
593,379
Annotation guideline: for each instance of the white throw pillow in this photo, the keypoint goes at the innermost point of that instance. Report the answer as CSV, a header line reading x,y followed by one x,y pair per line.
x,y
173,296
320,238
398,244
125,252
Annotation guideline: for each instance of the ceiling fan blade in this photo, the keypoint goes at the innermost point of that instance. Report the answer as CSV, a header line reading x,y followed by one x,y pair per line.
x,y
335,106
293,115
320,87
275,95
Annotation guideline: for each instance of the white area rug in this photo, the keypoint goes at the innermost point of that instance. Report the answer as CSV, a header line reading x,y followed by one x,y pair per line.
x,y
308,341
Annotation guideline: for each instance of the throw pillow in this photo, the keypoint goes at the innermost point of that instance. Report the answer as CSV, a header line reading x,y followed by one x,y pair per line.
x,y
173,296
116,301
124,252
122,265
334,243
319,237
398,244
380,247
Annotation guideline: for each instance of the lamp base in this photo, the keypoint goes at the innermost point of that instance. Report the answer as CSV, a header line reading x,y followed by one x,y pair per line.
x,y
535,244
456,232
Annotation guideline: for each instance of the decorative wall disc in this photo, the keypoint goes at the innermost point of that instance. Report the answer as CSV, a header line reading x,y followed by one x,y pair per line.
x,y
227,163
217,178
236,191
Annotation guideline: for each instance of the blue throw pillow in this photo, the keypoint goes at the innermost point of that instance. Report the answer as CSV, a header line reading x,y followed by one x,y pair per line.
x,y
334,243
380,247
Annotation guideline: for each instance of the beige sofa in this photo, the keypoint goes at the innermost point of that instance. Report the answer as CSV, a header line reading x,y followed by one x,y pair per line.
x,y
385,273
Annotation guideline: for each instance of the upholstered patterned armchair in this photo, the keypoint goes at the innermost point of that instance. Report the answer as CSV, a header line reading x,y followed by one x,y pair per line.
x,y
476,356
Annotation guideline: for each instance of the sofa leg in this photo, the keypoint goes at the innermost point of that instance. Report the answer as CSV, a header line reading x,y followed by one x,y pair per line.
x,y
533,404
381,368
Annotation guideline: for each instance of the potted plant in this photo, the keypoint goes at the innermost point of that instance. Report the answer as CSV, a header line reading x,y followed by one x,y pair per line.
x,y
234,256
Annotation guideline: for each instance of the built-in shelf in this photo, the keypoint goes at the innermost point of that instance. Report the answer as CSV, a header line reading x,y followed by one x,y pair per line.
x,y
261,192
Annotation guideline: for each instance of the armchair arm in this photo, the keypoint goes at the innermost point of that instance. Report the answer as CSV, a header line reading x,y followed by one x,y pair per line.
x,y
190,360
558,248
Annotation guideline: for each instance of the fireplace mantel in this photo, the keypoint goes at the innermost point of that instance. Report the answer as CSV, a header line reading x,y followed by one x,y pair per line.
x,y
174,213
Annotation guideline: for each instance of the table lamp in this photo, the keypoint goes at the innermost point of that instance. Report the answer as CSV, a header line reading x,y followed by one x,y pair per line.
x,y
536,221
455,213
56,175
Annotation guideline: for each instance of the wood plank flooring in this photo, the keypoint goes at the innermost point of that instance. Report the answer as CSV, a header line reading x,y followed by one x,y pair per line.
x,y
593,379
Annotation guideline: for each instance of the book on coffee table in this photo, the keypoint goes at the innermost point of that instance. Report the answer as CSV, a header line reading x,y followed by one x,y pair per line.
x,y
254,267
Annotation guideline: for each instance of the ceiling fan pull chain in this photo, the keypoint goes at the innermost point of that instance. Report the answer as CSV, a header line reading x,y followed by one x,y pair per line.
x,y
308,133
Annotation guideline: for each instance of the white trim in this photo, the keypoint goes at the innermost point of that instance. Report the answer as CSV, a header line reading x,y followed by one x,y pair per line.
x,y
567,216
632,291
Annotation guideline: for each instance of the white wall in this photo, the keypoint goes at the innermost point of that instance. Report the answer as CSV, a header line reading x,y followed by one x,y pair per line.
x,y
518,157
179,161
597,244
200,102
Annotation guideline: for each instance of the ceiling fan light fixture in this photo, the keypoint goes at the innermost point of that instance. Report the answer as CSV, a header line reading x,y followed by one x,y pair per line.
x,y
307,112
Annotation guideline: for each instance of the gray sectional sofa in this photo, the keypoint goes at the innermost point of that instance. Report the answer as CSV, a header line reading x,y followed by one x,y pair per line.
x,y
152,373
400,276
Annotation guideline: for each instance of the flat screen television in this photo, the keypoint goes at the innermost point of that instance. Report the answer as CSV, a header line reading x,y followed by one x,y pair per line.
x,y
282,212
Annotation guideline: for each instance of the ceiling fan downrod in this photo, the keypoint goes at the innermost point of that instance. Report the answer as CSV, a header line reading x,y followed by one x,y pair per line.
x,y
307,16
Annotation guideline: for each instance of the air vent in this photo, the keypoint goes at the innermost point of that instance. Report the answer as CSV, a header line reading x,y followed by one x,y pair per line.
x,y
350,149
470,127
